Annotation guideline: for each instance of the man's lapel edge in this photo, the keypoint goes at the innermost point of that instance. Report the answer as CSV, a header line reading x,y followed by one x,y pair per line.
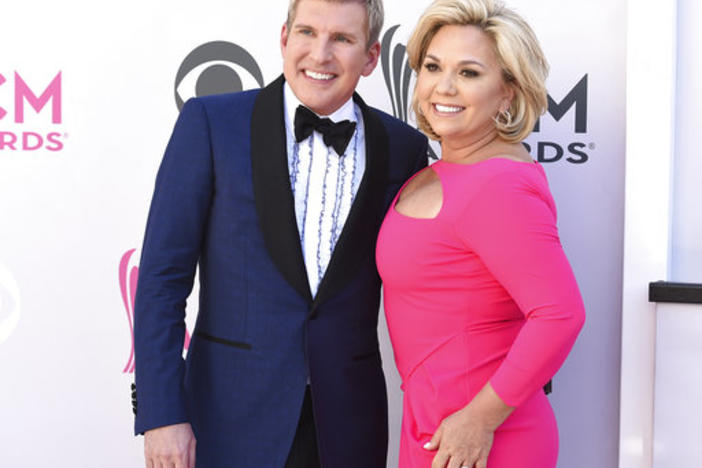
x,y
357,241
275,205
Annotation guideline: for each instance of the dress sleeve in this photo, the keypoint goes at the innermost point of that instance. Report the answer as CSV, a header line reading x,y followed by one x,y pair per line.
x,y
511,225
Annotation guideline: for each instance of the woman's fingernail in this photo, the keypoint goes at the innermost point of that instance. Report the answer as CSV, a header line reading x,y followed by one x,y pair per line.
x,y
427,445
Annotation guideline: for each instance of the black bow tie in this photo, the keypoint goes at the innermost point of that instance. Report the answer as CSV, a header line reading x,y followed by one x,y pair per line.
x,y
337,135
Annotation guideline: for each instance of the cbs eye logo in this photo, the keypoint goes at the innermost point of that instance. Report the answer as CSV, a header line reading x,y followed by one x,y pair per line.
x,y
214,68
9,304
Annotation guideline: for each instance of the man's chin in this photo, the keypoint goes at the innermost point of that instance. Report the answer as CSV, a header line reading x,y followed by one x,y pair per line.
x,y
321,106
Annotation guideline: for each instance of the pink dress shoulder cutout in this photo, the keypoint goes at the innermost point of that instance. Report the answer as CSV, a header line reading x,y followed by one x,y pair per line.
x,y
480,293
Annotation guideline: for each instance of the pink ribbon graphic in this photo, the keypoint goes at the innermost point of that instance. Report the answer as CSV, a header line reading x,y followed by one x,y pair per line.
x,y
128,276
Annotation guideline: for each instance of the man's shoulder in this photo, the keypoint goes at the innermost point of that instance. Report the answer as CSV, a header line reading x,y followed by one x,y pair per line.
x,y
228,101
239,96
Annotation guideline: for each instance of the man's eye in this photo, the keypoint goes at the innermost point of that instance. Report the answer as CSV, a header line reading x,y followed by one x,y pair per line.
x,y
342,39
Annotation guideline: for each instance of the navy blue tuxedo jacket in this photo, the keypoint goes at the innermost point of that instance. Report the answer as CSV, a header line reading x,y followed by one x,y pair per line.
x,y
223,201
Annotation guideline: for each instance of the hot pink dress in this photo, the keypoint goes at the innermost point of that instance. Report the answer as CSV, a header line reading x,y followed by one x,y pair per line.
x,y
481,292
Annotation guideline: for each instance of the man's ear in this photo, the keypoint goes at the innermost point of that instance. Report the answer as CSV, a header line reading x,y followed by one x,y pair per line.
x,y
283,38
372,55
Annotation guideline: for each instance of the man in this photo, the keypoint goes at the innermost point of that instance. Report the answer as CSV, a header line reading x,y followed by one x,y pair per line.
x,y
281,210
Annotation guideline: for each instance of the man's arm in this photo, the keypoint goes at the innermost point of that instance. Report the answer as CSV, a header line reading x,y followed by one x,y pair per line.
x,y
174,233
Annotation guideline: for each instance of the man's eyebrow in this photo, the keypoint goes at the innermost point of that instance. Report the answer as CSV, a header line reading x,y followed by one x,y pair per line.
x,y
348,34
343,33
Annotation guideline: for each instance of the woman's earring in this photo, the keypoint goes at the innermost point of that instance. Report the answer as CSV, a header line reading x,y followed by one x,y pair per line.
x,y
504,118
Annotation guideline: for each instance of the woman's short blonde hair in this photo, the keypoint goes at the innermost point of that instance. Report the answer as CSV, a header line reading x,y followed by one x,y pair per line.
x,y
518,52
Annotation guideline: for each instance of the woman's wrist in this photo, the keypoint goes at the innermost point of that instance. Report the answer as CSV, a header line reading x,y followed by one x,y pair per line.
x,y
488,409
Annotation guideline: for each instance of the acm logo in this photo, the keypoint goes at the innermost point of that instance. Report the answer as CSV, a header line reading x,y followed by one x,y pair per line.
x,y
399,79
24,135
552,151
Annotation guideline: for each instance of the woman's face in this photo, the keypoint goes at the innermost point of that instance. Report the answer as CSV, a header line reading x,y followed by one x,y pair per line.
x,y
460,86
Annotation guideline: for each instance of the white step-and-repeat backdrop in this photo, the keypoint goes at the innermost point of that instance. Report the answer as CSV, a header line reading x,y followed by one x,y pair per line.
x,y
89,92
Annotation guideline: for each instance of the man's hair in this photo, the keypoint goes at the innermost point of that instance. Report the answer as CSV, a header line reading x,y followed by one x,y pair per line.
x,y
374,16
524,67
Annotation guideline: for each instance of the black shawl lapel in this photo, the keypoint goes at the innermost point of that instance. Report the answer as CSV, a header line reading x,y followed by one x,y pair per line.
x,y
357,239
271,184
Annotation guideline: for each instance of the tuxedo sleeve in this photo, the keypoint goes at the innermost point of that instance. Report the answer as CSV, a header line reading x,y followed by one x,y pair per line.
x,y
174,232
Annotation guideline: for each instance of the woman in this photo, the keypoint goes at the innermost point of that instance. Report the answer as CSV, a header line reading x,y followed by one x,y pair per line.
x,y
481,303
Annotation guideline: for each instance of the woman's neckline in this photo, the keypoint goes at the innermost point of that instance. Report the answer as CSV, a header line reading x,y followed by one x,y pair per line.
x,y
491,158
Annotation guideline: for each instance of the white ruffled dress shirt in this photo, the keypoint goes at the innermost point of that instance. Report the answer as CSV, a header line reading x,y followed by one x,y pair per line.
x,y
324,184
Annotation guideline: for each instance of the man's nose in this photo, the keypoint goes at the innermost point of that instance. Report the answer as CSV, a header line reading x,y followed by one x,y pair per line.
x,y
321,50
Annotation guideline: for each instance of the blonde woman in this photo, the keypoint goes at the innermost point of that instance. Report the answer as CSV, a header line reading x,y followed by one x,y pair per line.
x,y
481,302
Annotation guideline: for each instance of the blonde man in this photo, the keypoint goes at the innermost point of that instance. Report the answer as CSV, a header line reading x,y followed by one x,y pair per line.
x,y
278,194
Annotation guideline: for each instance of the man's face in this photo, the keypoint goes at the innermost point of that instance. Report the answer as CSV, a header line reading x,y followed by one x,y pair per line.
x,y
325,53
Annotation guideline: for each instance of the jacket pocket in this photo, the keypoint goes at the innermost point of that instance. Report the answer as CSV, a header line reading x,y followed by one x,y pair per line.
x,y
214,339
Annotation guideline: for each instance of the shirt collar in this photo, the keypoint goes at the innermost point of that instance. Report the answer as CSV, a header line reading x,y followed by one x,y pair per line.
x,y
345,112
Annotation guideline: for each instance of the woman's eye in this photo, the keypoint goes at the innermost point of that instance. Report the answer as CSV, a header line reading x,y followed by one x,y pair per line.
x,y
469,73
431,67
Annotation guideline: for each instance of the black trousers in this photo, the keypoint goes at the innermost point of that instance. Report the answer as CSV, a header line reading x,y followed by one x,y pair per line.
x,y
304,452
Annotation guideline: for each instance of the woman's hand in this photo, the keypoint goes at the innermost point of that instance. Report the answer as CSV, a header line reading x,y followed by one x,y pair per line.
x,y
464,438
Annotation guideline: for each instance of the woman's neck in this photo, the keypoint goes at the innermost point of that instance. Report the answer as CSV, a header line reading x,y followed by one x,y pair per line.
x,y
467,150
